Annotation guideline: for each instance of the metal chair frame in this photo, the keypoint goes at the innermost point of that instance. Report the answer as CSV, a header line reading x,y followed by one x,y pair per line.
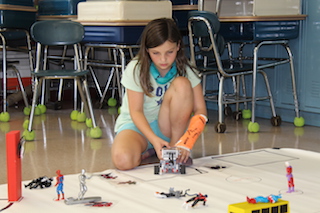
x,y
10,65
235,69
77,74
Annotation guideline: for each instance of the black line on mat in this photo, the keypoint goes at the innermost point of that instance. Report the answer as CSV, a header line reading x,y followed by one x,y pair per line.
x,y
10,204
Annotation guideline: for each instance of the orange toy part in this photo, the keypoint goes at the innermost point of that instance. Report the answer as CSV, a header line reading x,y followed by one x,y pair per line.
x,y
196,126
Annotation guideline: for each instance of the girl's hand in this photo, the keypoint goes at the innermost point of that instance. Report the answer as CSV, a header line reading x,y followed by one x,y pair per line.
x,y
158,146
183,156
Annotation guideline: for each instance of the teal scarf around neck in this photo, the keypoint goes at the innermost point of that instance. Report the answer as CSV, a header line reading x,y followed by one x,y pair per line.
x,y
163,80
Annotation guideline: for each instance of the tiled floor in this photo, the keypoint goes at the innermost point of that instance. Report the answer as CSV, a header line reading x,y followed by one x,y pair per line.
x,y
62,144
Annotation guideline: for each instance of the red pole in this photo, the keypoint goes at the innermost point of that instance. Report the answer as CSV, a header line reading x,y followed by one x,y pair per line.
x,y
13,166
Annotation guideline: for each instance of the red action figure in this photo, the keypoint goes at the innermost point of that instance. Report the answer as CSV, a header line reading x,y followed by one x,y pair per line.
x,y
196,199
290,178
59,185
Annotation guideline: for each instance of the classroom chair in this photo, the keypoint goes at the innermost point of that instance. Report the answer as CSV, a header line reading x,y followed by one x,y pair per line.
x,y
206,49
60,33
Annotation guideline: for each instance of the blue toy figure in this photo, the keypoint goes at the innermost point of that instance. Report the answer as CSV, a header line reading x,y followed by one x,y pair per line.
x,y
261,199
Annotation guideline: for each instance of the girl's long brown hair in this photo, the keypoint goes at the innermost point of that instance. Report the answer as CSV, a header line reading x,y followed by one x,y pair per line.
x,y
155,34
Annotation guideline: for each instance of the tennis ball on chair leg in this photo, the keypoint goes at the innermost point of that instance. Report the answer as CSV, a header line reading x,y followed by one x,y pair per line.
x,y
81,117
37,110
43,108
246,114
28,136
25,124
95,132
253,127
4,116
298,121
27,110
89,122
74,115
112,102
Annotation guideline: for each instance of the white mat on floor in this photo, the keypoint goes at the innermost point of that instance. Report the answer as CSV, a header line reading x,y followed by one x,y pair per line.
x,y
253,173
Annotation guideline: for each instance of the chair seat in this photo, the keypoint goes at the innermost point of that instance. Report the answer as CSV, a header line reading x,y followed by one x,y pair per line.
x,y
60,73
234,67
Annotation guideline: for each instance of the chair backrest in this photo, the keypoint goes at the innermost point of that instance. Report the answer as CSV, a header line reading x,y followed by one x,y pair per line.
x,y
203,29
57,32
199,28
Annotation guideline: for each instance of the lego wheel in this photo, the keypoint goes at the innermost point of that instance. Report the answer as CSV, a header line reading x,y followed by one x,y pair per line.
x,y
183,169
276,121
156,169
220,127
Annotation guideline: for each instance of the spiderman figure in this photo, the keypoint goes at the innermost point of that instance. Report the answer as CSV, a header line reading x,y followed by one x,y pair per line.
x,y
59,186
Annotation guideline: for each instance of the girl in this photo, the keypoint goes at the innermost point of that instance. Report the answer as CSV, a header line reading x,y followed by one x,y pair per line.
x,y
162,90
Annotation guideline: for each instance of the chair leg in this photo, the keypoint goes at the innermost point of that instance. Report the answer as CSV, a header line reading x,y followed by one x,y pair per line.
x,y
86,99
220,100
220,126
37,85
270,97
95,80
111,75
23,92
4,69
294,89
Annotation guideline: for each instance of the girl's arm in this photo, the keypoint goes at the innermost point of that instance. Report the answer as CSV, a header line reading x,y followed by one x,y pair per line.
x,y
135,101
199,104
196,125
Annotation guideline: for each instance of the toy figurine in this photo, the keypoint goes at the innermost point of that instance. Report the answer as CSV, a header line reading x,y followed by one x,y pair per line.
x,y
83,190
172,193
108,176
290,178
83,186
59,185
99,204
169,162
196,199
42,182
130,182
261,199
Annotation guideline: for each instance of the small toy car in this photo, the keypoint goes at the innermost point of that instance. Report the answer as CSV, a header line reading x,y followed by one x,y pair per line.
x,y
169,164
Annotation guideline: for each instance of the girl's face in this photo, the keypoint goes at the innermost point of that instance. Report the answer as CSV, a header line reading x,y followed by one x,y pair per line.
x,y
164,55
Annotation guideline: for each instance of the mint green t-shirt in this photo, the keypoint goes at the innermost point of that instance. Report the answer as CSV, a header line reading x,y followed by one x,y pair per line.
x,y
130,80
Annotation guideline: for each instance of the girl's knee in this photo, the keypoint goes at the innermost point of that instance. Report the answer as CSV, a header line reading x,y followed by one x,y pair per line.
x,y
123,161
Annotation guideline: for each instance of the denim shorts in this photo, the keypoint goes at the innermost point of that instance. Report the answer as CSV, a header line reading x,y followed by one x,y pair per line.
x,y
154,126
